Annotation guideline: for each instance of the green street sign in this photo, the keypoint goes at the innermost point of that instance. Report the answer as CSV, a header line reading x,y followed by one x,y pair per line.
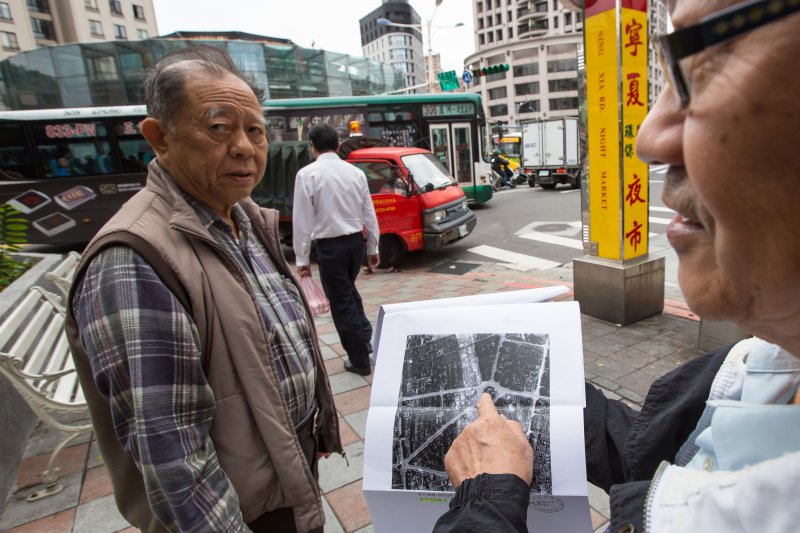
x,y
448,80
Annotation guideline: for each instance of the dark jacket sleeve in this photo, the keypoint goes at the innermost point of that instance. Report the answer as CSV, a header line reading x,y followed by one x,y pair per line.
x,y
488,503
624,448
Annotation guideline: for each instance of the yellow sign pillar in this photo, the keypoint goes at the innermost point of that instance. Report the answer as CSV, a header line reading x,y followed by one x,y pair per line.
x,y
617,282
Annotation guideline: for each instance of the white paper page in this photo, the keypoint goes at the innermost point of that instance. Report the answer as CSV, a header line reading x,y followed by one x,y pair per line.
x,y
509,345
511,297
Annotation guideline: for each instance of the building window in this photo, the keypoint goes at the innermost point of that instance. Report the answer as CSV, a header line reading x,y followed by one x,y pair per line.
x,y
143,34
5,11
96,28
138,12
39,6
560,104
498,19
562,65
541,7
495,77
529,69
510,33
9,40
499,35
120,32
499,92
498,110
43,29
522,89
567,18
91,5
567,84
116,7
480,23
480,7
481,39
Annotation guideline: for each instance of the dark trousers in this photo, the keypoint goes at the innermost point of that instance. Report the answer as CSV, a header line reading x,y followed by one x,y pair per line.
x,y
339,261
282,520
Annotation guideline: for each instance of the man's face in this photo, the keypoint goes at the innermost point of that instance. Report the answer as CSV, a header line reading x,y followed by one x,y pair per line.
x,y
735,173
217,151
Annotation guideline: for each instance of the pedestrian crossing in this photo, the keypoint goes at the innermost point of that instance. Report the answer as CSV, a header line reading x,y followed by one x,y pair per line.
x,y
568,236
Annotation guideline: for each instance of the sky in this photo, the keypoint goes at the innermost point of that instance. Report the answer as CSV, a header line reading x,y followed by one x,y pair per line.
x,y
330,24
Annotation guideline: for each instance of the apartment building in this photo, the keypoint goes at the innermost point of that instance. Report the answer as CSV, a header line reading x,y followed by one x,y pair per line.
x,y
31,24
398,45
542,42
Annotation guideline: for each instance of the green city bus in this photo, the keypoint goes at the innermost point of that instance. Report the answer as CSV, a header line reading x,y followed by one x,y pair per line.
x,y
451,125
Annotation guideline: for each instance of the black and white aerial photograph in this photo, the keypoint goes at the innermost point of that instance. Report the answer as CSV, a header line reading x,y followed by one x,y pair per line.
x,y
443,377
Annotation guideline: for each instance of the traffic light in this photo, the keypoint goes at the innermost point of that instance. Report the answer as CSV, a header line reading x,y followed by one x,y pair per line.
x,y
492,69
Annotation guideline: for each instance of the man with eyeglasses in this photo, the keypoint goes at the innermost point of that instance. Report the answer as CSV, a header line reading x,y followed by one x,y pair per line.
x,y
716,446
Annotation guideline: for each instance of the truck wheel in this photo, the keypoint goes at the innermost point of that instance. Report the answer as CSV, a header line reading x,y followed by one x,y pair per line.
x,y
391,250
548,185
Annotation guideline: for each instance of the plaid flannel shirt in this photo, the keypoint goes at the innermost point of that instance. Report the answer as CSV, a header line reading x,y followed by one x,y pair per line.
x,y
145,354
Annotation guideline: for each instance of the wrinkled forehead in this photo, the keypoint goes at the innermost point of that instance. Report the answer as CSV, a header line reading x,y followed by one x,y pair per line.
x,y
688,12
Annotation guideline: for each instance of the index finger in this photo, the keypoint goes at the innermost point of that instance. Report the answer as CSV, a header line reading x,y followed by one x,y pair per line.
x,y
486,408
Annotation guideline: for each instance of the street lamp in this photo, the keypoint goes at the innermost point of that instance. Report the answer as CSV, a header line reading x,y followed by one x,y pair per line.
x,y
429,78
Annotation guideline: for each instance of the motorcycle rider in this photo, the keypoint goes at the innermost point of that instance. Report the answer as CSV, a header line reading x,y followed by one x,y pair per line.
x,y
500,166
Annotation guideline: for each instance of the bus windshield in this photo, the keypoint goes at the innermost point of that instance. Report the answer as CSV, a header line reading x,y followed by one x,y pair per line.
x,y
426,169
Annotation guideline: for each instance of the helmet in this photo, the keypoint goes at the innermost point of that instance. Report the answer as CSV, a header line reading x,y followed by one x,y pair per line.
x,y
496,152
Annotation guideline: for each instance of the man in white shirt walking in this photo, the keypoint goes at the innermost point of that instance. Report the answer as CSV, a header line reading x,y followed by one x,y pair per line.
x,y
332,208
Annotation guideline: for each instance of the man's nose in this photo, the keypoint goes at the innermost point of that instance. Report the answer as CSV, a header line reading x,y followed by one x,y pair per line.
x,y
240,145
660,138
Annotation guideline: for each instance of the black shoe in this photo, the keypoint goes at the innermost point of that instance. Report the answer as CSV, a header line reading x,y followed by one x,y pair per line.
x,y
357,370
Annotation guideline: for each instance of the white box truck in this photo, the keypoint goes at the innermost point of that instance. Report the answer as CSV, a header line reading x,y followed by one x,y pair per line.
x,y
551,152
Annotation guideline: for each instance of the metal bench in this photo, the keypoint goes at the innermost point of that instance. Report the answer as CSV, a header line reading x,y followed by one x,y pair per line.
x,y
35,357
61,276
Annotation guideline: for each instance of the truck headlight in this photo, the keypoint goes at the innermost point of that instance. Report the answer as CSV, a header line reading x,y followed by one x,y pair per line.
x,y
436,216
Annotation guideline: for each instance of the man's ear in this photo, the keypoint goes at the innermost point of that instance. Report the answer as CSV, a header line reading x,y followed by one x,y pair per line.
x,y
155,132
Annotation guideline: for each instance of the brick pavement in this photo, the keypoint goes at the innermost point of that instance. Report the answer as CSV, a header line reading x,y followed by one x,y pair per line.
x,y
623,362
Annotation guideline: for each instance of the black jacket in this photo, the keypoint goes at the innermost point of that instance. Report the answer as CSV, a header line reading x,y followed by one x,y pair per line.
x,y
488,503
623,450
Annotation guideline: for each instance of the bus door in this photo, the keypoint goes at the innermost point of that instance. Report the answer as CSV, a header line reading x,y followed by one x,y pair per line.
x,y
452,144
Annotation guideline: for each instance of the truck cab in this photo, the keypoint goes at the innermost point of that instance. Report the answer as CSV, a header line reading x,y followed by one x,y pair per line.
x,y
418,204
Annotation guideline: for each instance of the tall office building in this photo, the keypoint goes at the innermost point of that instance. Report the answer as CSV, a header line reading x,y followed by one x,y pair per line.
x,y
31,24
542,42
399,47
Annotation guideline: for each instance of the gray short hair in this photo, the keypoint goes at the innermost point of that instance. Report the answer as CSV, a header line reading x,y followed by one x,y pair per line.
x,y
164,82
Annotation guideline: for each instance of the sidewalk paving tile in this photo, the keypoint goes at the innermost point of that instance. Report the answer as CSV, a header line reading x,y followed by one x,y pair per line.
x,y
19,511
332,524
346,433
350,506
345,381
358,421
609,368
353,400
96,484
69,461
334,471
55,523
99,516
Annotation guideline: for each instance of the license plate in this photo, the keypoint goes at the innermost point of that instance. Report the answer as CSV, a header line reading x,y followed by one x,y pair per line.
x,y
544,172
462,230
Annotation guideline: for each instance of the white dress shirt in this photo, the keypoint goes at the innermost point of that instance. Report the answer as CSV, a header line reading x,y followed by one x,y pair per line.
x,y
331,199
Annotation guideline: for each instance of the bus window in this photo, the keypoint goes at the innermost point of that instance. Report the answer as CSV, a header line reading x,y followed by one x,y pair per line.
x,y
73,149
15,162
135,151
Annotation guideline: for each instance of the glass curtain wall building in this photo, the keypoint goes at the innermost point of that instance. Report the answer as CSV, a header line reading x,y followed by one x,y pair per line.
x,y
109,73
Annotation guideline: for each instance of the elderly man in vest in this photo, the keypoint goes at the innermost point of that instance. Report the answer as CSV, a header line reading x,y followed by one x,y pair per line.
x,y
196,351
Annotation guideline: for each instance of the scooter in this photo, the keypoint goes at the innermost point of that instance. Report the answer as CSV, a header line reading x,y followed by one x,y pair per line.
x,y
498,182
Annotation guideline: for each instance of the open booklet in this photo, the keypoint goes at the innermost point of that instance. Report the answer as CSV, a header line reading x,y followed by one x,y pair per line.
x,y
433,361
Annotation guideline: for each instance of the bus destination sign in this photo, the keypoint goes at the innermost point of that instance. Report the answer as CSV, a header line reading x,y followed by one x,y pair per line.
x,y
68,131
447,110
